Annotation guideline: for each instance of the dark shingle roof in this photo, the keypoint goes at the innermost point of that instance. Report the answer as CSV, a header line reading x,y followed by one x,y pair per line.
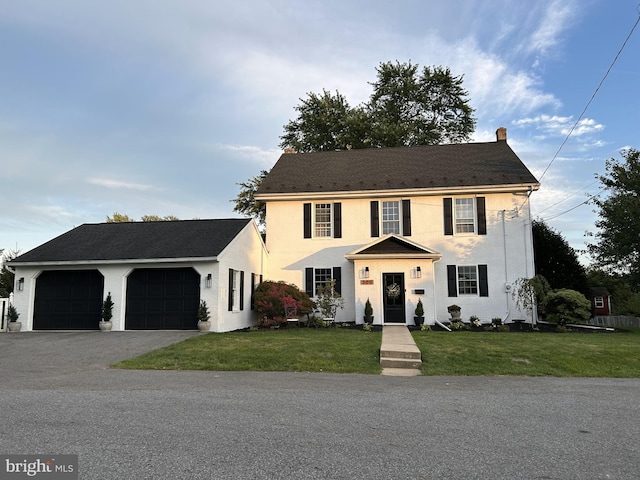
x,y
422,167
138,240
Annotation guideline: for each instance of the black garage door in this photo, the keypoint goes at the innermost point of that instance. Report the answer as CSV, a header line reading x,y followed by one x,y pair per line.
x,y
162,298
68,300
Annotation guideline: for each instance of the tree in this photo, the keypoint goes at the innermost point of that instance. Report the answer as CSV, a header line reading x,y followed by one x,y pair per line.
x,y
7,277
247,205
617,245
407,107
325,122
567,306
556,261
121,218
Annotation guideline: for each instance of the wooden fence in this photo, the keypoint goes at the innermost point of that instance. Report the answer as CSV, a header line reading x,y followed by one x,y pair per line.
x,y
615,321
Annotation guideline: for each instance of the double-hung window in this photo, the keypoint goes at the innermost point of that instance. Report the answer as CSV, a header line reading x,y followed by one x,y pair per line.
x,y
390,217
236,290
322,220
464,215
320,277
468,280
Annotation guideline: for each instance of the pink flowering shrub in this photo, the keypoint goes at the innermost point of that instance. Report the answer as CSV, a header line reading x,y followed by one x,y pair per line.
x,y
272,298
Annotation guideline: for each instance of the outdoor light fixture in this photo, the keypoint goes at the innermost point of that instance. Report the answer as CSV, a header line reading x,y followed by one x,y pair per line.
x,y
364,273
21,284
207,282
418,272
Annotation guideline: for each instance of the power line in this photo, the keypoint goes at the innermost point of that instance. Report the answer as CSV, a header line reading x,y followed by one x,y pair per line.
x,y
585,202
592,97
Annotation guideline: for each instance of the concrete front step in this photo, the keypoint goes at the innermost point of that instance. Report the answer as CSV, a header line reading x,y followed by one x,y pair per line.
x,y
391,362
400,351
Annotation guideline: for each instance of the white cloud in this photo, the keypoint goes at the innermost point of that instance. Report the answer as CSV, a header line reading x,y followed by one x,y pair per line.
x,y
560,125
118,184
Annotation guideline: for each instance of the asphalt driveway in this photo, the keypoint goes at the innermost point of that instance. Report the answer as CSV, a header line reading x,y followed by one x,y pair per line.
x,y
35,356
61,399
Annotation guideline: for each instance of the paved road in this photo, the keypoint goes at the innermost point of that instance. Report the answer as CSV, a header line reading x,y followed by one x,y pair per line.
x,y
61,398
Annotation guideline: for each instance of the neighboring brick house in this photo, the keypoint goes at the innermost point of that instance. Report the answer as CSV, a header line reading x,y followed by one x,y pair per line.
x,y
447,224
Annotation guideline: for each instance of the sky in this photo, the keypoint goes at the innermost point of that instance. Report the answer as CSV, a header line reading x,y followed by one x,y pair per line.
x,y
162,107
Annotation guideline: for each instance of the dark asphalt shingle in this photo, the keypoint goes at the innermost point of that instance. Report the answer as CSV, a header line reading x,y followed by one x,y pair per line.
x,y
428,166
138,240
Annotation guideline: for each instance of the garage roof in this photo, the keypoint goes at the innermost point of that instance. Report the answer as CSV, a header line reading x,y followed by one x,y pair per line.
x,y
138,241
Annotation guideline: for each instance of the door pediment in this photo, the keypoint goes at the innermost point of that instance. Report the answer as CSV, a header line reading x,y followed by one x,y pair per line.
x,y
393,246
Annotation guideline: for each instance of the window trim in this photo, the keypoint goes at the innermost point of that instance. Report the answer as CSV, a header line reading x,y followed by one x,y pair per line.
x,y
310,223
481,281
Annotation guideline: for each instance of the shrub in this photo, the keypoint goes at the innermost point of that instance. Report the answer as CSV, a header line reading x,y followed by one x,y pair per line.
x,y
271,298
567,306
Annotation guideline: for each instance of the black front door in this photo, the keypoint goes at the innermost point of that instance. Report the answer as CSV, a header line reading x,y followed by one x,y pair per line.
x,y
393,294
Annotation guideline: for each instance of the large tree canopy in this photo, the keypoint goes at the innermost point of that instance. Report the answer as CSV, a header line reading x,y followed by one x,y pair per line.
x,y
556,261
617,245
408,106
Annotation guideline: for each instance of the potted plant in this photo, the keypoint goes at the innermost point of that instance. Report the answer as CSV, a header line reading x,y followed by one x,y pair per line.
x,y
107,313
12,316
368,312
204,324
418,319
454,311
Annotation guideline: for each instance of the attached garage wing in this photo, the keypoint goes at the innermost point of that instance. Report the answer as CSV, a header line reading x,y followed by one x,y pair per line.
x,y
162,299
68,300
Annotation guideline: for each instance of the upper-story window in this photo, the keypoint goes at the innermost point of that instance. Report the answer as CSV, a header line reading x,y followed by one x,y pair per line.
x,y
464,215
322,220
390,217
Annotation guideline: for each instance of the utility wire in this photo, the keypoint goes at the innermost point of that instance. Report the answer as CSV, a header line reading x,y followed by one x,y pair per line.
x,y
585,202
592,97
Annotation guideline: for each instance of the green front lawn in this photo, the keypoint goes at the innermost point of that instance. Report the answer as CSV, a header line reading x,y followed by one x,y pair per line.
x,y
443,353
336,350
535,354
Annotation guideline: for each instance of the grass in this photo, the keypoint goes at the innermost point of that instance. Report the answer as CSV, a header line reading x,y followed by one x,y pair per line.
x,y
443,353
533,354
337,350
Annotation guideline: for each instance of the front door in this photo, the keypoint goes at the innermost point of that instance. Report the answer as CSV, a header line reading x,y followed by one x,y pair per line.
x,y
393,294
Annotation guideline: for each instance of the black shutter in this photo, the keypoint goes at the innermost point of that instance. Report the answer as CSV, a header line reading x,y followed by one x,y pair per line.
x,y
308,281
242,290
337,220
375,219
452,280
483,281
447,204
482,216
253,291
337,276
306,208
406,218
230,289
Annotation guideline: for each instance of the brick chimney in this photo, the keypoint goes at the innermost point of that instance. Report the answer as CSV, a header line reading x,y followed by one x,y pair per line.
x,y
501,134
289,150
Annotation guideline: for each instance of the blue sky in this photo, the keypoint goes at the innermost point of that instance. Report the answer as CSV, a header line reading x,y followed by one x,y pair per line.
x,y
162,107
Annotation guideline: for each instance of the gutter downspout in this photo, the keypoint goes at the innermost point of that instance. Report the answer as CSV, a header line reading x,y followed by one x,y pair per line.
x,y
507,287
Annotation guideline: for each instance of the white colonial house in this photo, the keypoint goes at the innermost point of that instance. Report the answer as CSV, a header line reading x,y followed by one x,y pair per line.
x,y
445,224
